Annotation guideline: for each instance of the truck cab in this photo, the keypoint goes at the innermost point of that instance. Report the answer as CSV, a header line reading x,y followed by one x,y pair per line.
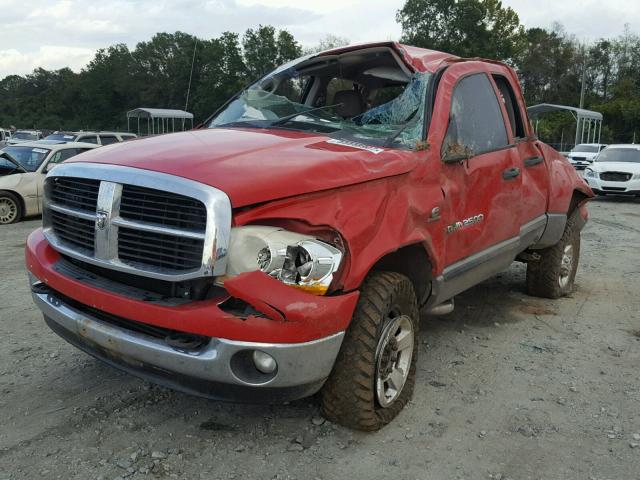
x,y
291,243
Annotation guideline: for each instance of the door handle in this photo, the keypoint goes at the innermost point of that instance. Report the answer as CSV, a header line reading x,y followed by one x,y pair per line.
x,y
530,162
510,173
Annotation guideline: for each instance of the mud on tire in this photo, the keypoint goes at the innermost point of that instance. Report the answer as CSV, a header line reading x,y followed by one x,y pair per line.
x,y
553,275
350,396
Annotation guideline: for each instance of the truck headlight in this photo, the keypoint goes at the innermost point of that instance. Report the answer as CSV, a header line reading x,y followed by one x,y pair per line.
x,y
590,173
300,261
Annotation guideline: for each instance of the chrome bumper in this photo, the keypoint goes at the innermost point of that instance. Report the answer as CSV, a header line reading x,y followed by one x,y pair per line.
x,y
213,370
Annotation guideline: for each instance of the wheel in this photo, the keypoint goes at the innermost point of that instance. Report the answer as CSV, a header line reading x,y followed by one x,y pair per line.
x,y
374,374
553,275
10,208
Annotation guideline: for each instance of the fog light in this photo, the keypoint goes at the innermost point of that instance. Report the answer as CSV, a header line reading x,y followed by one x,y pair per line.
x,y
264,362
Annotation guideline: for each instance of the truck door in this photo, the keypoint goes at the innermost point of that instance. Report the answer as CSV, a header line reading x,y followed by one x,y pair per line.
x,y
535,176
480,178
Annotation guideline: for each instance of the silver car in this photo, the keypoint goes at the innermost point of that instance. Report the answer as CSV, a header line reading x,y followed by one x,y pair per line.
x,y
22,171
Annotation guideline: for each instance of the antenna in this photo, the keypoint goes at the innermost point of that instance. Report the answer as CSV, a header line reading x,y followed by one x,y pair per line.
x,y
193,60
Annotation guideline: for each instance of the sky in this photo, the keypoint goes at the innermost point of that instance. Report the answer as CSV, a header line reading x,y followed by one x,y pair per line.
x,y
59,33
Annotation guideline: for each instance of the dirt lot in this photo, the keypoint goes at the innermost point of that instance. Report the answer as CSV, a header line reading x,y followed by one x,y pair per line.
x,y
508,386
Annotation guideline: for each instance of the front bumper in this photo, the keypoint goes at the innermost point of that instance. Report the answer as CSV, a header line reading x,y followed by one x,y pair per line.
x,y
301,332
219,369
599,186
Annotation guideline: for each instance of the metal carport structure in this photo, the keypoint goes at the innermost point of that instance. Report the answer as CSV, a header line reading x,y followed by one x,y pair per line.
x,y
159,120
587,121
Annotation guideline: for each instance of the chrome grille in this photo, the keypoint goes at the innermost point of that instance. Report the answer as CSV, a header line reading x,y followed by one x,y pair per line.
x,y
146,223
162,208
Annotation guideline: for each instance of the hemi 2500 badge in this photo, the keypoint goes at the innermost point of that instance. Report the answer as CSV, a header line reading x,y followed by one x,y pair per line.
x,y
454,227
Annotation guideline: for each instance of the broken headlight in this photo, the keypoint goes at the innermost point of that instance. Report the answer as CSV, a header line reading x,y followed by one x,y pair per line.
x,y
300,261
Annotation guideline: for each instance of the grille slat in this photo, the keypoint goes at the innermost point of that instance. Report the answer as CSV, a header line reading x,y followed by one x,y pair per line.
x,y
143,247
75,192
73,230
158,250
162,208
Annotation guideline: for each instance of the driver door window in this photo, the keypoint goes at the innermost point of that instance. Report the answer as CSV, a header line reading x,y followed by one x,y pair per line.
x,y
476,125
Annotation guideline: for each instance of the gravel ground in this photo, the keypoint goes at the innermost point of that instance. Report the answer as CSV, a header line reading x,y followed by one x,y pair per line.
x,y
508,386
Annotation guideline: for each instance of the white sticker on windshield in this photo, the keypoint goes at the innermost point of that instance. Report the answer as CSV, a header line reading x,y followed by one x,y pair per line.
x,y
39,150
359,146
68,136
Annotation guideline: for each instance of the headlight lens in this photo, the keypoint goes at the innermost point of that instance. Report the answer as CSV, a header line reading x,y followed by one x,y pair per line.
x,y
636,176
590,173
300,261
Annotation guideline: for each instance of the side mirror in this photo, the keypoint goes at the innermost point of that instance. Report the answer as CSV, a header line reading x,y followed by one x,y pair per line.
x,y
456,152
48,167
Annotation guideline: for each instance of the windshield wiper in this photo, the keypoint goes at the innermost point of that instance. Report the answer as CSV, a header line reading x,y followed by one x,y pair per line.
x,y
286,118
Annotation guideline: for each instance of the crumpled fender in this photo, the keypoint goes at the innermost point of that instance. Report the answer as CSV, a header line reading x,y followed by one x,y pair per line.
x,y
563,181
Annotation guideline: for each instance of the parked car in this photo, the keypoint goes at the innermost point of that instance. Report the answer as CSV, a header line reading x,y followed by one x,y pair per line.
x,y
615,171
21,136
22,171
99,138
289,245
581,156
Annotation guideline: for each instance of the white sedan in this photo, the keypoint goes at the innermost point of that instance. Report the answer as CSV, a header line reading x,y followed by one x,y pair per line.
x,y
616,170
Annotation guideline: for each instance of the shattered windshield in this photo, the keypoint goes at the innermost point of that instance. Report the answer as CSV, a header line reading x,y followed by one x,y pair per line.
x,y
377,102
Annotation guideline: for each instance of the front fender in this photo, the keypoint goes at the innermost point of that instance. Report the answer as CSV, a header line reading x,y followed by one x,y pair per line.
x,y
374,219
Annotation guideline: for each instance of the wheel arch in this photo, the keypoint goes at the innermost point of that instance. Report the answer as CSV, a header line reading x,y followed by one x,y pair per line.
x,y
413,261
577,199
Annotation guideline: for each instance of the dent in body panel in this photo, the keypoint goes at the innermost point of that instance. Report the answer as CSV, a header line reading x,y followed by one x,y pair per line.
x,y
398,209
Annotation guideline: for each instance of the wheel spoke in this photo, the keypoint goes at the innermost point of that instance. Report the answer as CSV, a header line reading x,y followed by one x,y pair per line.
x,y
405,340
396,379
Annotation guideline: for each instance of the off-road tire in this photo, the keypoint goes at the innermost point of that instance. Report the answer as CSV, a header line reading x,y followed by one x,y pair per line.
x,y
543,275
10,197
349,395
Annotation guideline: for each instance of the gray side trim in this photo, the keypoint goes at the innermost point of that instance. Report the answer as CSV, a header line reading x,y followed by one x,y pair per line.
x,y
532,231
553,231
470,271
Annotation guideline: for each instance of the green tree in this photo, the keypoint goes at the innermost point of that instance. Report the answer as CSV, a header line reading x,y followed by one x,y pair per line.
x,y
264,50
468,28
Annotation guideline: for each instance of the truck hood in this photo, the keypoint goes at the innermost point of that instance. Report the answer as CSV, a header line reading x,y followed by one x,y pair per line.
x,y
254,166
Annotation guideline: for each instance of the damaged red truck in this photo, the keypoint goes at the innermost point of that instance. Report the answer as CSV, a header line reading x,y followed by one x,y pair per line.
x,y
290,244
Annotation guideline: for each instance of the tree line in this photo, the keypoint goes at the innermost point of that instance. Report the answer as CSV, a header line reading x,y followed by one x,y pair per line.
x,y
156,73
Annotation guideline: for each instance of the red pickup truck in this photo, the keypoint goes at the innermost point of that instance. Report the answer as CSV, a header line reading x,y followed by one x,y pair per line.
x,y
290,244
